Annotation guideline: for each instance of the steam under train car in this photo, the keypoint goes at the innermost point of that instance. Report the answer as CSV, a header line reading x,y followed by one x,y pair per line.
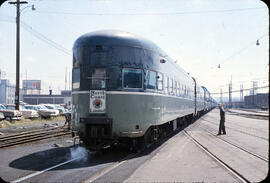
x,y
126,89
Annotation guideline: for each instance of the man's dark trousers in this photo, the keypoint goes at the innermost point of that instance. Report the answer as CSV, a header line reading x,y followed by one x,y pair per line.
x,y
222,125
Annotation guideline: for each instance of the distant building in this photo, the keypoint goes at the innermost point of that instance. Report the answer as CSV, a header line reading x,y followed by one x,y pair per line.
x,y
31,87
260,100
64,98
67,97
7,92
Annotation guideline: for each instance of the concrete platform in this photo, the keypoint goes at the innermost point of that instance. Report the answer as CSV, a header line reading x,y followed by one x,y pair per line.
x,y
180,160
250,112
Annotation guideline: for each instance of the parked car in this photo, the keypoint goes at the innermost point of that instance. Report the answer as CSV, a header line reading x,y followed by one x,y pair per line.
x,y
2,116
42,110
61,109
52,107
26,113
10,114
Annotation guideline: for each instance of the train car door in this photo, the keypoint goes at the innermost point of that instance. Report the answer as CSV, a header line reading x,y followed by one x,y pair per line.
x,y
98,91
195,97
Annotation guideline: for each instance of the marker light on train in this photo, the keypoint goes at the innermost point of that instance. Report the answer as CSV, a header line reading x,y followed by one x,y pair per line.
x,y
97,103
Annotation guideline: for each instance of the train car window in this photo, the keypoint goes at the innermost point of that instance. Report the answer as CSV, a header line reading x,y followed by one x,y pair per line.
x,y
151,80
175,87
170,85
99,78
178,89
76,78
160,81
166,87
132,78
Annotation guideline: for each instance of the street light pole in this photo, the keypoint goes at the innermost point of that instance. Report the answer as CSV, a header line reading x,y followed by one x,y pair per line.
x,y
17,92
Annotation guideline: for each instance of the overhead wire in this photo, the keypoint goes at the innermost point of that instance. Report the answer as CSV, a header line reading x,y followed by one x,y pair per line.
x,y
243,49
45,39
246,89
37,34
165,13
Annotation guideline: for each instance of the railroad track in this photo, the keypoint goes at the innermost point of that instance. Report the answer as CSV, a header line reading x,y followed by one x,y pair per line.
x,y
255,115
31,136
222,163
236,145
244,132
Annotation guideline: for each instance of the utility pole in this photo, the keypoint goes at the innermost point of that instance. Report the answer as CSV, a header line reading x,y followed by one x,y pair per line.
x,y
230,93
69,83
17,92
221,100
66,79
26,83
255,87
241,94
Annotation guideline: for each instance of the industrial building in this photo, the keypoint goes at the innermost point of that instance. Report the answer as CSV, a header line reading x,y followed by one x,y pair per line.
x,y
7,92
63,98
260,100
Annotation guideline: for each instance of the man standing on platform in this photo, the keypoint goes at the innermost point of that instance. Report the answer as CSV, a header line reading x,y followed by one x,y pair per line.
x,y
222,120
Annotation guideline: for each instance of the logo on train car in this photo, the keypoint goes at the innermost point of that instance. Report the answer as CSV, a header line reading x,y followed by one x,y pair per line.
x,y
97,101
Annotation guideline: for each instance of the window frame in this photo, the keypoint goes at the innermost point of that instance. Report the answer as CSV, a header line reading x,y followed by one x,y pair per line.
x,y
160,81
95,78
142,78
175,87
147,70
178,89
77,84
170,85
166,84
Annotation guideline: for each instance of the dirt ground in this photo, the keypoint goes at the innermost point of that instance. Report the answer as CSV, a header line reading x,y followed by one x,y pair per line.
x,y
14,126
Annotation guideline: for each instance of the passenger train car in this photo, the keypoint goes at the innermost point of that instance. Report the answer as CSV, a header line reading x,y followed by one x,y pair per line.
x,y
126,89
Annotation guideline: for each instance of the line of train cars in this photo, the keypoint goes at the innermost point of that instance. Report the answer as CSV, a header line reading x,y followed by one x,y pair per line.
x,y
126,90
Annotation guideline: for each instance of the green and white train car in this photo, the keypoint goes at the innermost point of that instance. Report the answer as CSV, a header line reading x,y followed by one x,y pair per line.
x,y
125,88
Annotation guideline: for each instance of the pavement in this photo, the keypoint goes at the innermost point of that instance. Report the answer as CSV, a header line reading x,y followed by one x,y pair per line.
x,y
176,159
180,160
250,112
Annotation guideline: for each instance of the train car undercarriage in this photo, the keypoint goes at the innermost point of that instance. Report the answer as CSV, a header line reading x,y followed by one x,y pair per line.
x,y
98,136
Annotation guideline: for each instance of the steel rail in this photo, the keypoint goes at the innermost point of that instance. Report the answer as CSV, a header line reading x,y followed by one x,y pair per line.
x,y
17,136
32,138
237,146
226,166
236,130
253,116
31,131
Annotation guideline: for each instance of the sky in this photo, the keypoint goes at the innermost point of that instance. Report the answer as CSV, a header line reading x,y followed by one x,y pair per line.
x,y
198,34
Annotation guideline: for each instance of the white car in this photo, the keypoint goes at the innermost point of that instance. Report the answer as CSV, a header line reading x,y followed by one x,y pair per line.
x,y
61,109
43,111
10,114
2,116
52,107
26,113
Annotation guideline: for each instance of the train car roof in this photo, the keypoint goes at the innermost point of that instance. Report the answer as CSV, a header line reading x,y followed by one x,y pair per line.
x,y
116,38
204,88
122,38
